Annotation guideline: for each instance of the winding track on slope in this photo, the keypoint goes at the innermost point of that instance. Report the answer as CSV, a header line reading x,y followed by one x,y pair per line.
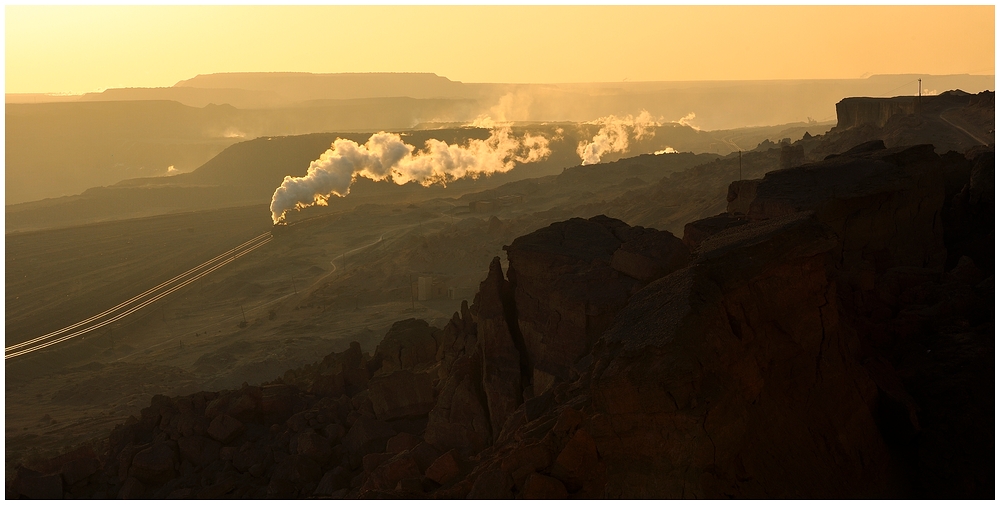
x,y
963,130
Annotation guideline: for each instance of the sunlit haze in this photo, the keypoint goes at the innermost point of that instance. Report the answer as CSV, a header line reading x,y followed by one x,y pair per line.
x,y
497,252
77,49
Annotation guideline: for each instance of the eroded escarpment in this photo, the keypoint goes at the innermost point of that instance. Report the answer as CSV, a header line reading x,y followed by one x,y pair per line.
x,y
829,337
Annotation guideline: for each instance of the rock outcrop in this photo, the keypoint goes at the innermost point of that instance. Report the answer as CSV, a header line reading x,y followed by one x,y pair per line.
x,y
460,419
772,366
570,279
792,156
409,345
736,366
852,112
951,121
499,339
696,232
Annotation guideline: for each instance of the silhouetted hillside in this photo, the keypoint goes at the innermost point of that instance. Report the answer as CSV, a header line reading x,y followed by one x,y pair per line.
x,y
56,149
833,340
274,104
194,97
248,172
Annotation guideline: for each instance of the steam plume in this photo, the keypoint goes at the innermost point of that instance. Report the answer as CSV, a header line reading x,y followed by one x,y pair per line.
x,y
386,157
666,150
510,107
686,121
613,137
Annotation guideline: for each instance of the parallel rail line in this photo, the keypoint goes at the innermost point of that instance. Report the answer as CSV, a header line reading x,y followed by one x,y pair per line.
x,y
137,302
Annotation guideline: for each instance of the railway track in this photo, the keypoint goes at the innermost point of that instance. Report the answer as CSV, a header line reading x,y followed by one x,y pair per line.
x,y
138,302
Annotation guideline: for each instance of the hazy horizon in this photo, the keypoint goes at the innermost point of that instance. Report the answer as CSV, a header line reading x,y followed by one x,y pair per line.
x,y
180,82
80,49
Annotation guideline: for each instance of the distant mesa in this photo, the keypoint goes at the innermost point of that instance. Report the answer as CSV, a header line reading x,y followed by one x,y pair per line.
x,y
302,86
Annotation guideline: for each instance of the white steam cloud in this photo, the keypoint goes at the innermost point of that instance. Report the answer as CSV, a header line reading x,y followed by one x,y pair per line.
x,y
666,150
386,157
613,137
686,121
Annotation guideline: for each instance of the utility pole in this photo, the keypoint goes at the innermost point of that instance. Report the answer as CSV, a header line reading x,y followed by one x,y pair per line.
x,y
244,313
920,92
293,286
741,164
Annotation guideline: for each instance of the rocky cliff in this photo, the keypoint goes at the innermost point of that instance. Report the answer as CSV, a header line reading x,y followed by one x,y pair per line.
x,y
857,111
951,121
831,336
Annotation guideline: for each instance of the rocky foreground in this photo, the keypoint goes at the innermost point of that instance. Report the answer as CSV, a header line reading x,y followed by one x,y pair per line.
x,y
830,336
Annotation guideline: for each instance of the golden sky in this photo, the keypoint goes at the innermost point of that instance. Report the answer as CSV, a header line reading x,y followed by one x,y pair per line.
x,y
80,49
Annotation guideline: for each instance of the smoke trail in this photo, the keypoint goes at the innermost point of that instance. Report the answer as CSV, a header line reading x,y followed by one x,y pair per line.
x,y
386,157
686,121
613,137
